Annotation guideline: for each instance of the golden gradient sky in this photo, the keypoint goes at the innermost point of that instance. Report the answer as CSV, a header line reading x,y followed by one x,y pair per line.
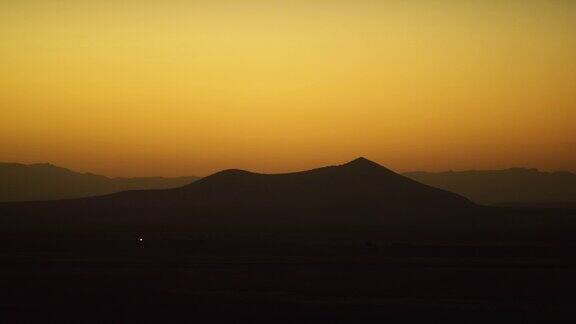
x,y
191,87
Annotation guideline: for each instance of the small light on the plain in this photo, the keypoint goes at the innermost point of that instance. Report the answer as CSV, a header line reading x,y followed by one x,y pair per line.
x,y
141,239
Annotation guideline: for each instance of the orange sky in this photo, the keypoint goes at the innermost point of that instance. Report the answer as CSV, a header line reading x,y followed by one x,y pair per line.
x,y
191,87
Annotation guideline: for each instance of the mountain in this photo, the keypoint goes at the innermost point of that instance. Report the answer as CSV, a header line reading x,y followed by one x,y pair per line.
x,y
21,182
516,186
360,196
360,183
358,200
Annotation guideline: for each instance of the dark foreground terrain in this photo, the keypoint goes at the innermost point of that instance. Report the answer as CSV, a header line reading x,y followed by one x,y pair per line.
x,y
339,282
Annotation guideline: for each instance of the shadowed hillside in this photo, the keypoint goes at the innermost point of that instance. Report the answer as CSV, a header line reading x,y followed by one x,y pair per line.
x,y
20,182
517,186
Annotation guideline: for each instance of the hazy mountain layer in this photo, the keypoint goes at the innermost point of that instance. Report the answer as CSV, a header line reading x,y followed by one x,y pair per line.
x,y
20,182
511,186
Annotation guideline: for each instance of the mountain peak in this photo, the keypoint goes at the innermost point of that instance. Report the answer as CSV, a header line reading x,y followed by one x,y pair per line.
x,y
363,163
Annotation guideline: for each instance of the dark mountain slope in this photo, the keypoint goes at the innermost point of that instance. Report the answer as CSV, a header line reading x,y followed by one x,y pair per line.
x,y
517,186
20,182
359,182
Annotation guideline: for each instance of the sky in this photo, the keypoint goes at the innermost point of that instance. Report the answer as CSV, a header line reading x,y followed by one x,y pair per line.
x,y
132,88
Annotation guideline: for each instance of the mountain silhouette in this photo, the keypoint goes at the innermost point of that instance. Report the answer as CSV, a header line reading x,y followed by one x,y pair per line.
x,y
357,198
515,186
360,183
43,181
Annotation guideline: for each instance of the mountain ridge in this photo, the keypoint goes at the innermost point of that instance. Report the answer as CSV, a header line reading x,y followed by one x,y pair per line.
x,y
360,196
45,181
351,178
510,186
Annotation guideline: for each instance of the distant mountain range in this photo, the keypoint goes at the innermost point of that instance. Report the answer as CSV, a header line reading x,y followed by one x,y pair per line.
x,y
358,199
511,187
516,186
43,181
